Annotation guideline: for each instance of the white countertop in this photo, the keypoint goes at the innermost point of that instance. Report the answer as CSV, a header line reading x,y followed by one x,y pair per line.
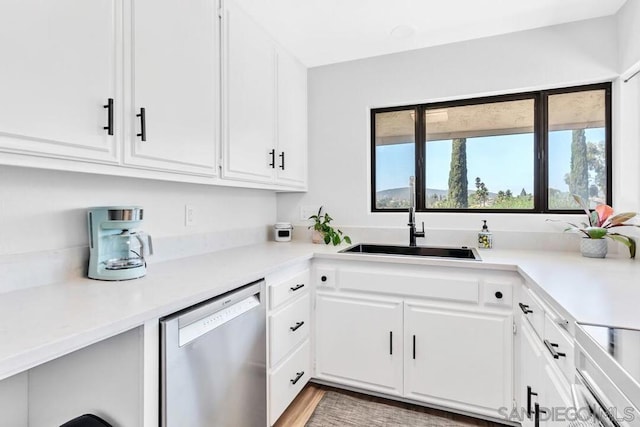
x,y
42,323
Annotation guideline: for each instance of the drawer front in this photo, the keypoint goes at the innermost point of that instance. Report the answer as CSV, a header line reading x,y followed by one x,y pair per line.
x,y
288,327
532,309
559,346
287,290
288,380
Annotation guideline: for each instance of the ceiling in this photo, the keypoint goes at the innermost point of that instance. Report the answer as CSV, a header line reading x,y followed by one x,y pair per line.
x,y
321,32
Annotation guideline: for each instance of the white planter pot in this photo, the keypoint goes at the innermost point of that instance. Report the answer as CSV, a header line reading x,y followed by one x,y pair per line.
x,y
317,237
593,248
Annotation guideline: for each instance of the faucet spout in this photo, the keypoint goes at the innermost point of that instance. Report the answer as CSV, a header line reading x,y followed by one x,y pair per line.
x,y
412,214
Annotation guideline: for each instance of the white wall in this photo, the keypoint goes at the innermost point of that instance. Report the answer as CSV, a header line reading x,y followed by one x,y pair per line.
x,y
341,95
45,210
628,26
627,138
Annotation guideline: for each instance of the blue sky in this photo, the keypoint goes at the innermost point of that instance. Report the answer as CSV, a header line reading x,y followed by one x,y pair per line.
x,y
502,162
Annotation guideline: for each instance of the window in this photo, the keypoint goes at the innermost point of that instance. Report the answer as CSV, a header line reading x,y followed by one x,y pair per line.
x,y
513,153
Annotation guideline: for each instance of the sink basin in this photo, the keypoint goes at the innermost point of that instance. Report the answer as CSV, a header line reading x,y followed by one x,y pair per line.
x,y
422,251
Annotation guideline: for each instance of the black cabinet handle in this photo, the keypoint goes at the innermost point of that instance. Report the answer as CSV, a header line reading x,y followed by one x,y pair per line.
x,y
525,308
498,295
414,347
390,342
272,153
281,155
297,326
529,394
143,124
323,278
552,349
296,287
536,420
297,378
109,107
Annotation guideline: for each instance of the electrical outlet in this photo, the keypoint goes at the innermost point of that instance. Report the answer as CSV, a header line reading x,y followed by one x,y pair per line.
x,y
307,211
189,215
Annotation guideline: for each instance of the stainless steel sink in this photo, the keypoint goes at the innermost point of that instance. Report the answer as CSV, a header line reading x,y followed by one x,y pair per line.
x,y
462,252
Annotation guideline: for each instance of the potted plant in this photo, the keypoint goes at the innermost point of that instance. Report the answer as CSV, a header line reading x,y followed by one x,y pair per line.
x,y
601,223
323,231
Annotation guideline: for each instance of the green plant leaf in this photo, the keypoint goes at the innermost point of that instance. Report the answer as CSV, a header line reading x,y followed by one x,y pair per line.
x,y
625,240
347,239
336,239
327,239
594,219
596,232
621,218
582,204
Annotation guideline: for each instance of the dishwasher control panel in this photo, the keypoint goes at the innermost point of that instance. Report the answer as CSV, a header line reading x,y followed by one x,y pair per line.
x,y
196,329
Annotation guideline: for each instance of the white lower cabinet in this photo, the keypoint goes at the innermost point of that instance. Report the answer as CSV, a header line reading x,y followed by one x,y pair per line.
x,y
545,368
435,335
287,380
359,341
289,345
458,357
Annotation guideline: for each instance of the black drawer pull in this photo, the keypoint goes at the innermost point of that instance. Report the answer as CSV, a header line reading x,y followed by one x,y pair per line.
x,y
297,326
109,107
323,278
143,124
529,394
272,153
281,155
552,349
525,308
296,287
498,295
414,347
297,378
390,342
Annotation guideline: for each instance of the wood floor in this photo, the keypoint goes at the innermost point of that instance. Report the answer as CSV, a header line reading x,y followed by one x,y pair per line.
x,y
301,409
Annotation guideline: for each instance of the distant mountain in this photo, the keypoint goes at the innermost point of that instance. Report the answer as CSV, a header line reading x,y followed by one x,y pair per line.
x,y
402,193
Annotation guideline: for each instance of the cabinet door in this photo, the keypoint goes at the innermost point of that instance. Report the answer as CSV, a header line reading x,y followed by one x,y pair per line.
x,y
291,167
249,97
458,358
59,67
530,384
174,77
555,397
359,342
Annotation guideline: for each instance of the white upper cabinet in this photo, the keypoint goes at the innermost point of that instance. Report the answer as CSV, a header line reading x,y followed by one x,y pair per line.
x,y
264,131
172,107
59,68
291,168
191,91
249,96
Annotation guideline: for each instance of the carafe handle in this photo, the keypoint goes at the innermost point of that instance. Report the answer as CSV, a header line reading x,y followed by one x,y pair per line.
x,y
147,249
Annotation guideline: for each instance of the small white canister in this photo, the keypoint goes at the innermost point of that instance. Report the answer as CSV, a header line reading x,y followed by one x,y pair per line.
x,y
282,231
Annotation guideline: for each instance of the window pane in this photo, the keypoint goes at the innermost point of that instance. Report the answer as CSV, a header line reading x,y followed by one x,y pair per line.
x,y
480,156
395,157
577,155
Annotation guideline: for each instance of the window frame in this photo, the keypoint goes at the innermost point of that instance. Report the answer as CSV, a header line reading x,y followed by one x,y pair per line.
x,y
540,142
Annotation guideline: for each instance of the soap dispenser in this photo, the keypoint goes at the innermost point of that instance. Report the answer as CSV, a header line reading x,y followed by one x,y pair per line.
x,y
485,238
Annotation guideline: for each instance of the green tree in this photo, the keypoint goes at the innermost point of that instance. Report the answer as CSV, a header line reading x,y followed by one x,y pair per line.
x,y
596,163
458,192
579,171
482,193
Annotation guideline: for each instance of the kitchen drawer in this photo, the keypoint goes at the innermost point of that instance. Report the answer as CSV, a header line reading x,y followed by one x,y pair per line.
x,y
532,309
288,289
288,327
558,341
288,380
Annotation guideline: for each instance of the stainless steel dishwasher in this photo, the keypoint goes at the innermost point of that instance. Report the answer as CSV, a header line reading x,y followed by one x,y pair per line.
x,y
213,362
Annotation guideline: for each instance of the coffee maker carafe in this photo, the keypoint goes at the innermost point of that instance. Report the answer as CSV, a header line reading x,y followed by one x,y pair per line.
x,y
117,249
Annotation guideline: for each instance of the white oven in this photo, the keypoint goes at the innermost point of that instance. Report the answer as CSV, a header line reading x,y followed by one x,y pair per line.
x,y
607,386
